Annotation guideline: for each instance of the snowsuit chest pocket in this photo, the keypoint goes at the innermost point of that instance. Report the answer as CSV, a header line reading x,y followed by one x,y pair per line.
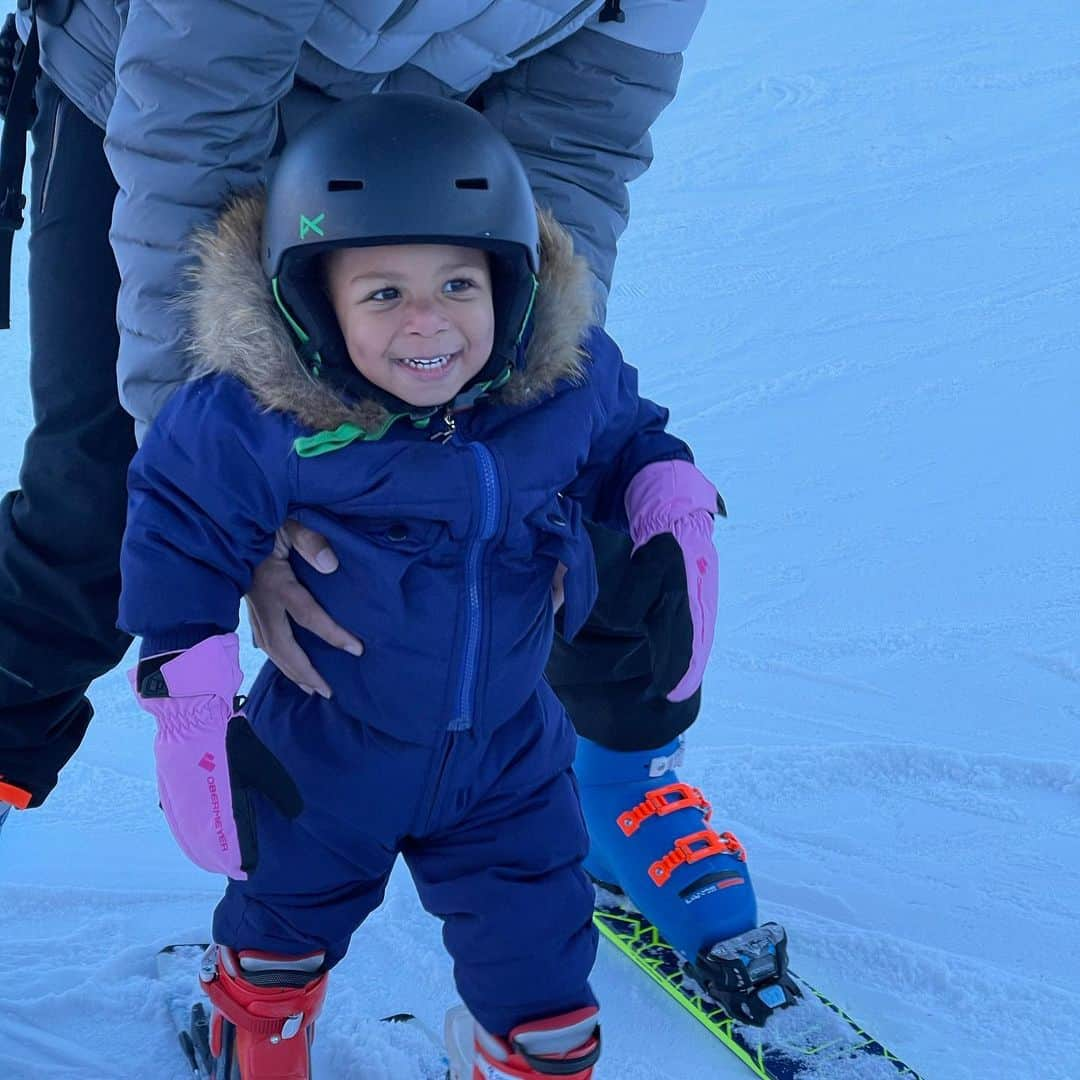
x,y
407,536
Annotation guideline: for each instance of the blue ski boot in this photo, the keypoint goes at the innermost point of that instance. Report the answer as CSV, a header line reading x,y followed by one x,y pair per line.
x,y
5,809
650,839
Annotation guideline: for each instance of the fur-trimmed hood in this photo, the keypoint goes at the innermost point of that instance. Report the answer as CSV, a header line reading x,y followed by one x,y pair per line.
x,y
238,330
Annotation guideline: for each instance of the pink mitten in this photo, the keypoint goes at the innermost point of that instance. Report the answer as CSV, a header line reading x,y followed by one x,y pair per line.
x,y
673,499
191,696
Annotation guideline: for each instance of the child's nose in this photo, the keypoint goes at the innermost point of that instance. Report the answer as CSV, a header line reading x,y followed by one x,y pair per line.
x,y
423,316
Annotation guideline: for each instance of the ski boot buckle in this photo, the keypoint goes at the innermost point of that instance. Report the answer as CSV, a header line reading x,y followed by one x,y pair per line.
x,y
662,801
685,852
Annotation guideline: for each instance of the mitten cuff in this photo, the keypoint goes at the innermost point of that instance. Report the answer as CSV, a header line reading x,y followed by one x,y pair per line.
x,y
666,492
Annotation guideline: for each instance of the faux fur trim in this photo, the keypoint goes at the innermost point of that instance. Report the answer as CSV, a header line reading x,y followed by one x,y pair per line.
x,y
236,328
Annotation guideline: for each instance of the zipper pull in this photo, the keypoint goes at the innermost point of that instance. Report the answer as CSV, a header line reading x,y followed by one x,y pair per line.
x,y
450,424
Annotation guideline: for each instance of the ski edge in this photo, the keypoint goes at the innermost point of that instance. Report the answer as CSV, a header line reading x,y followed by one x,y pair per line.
x,y
723,1030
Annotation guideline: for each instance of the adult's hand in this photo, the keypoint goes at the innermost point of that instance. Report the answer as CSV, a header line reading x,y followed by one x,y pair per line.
x,y
276,596
558,590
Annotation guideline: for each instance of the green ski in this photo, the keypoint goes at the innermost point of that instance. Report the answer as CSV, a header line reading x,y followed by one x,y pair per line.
x,y
811,1040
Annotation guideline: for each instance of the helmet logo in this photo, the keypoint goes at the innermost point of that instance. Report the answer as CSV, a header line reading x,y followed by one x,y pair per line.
x,y
311,225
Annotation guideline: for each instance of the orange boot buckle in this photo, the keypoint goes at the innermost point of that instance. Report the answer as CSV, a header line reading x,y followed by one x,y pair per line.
x,y
662,801
684,851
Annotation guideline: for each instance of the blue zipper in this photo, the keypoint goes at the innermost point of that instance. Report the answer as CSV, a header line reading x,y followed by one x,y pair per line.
x,y
489,495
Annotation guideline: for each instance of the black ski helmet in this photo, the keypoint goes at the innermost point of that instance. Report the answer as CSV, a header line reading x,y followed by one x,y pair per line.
x,y
397,168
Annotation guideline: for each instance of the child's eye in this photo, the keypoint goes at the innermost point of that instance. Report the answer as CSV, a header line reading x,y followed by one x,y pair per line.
x,y
389,293
459,285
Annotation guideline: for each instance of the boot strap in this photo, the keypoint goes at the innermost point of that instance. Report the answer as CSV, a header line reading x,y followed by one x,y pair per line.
x,y
261,1013
662,801
686,851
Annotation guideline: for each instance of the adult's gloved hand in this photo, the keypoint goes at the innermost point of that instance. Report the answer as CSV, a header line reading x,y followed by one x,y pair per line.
x,y
276,595
670,506
209,760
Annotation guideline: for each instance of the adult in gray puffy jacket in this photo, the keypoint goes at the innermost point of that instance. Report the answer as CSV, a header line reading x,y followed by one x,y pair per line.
x,y
193,97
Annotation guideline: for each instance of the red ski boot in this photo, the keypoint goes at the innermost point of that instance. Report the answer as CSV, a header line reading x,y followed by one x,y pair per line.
x,y
262,1024
566,1046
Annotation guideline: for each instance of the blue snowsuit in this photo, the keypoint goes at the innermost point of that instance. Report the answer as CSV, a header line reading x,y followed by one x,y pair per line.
x,y
442,742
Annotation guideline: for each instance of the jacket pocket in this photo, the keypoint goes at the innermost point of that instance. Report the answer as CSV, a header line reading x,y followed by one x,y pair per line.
x,y
406,536
50,160
538,43
346,530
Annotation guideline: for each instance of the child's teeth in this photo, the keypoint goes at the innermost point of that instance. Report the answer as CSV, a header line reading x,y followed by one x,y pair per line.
x,y
432,361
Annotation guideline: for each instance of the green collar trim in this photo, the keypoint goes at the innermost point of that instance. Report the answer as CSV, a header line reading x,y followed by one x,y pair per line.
x,y
325,442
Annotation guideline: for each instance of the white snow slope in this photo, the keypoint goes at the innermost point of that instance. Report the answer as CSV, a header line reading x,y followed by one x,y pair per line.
x,y
853,274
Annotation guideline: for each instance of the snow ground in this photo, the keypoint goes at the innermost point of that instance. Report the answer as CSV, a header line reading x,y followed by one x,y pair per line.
x,y
853,275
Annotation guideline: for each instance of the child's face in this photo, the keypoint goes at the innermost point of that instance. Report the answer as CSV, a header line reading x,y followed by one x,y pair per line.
x,y
417,319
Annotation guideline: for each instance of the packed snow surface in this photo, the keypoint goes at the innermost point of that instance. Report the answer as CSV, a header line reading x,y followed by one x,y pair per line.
x,y
853,274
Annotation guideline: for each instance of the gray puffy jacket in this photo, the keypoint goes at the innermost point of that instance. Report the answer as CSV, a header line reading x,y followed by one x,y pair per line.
x,y
191,94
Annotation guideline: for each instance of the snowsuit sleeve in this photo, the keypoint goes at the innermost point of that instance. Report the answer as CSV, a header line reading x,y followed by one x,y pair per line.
x,y
628,433
206,492
579,113
194,117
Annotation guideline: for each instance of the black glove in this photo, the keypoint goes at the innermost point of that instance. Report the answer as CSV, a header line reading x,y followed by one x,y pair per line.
x,y
642,598
657,584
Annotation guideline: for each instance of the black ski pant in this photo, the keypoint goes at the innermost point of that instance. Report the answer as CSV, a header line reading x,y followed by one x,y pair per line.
x,y
60,533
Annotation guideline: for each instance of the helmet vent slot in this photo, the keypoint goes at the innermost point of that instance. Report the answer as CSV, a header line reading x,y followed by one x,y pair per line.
x,y
472,183
345,185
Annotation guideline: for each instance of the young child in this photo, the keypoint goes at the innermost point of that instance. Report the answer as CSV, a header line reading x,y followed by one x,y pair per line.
x,y
394,350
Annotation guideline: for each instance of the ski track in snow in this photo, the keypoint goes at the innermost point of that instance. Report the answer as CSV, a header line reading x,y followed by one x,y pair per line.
x,y
852,276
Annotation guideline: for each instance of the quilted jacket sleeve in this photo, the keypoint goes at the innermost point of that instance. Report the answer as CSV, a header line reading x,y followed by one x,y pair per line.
x,y
579,114
194,117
